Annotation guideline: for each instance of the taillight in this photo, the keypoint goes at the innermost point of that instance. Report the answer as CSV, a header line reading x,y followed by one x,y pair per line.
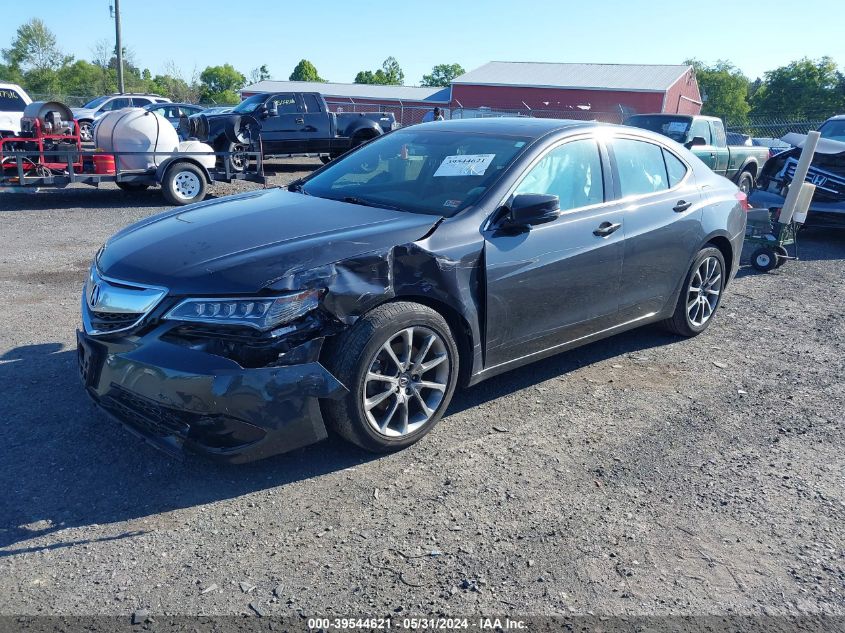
x,y
743,200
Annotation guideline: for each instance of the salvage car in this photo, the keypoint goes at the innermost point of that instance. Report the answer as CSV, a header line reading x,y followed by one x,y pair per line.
x,y
286,124
826,172
360,296
13,101
705,136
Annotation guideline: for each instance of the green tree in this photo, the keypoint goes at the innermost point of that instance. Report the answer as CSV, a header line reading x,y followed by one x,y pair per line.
x,y
305,71
805,88
261,73
725,90
10,74
219,84
390,74
442,75
34,48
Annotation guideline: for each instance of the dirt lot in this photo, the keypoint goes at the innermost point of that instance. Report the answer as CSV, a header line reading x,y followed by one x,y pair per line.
x,y
640,475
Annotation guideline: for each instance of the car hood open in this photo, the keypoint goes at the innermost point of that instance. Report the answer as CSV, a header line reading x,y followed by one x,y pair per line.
x,y
244,243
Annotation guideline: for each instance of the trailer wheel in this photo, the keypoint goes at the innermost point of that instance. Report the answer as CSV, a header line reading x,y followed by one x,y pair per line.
x,y
183,183
325,159
132,187
782,254
764,259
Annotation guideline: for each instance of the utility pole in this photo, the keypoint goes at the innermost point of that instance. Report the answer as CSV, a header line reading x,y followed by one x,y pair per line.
x,y
118,47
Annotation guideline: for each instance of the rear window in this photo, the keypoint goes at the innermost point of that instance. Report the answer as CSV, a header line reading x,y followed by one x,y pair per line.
x,y
11,101
641,167
675,127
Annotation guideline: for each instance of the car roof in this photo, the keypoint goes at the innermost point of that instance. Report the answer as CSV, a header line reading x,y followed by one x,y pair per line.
x,y
521,126
837,117
164,104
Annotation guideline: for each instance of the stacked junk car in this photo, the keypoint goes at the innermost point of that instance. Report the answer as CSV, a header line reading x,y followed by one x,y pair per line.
x,y
133,148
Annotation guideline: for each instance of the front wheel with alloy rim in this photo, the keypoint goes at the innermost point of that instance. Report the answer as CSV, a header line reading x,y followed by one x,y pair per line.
x,y
86,131
700,296
400,364
183,183
745,182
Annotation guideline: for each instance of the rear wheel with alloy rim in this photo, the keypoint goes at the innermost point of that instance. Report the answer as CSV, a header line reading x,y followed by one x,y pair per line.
x,y
86,131
701,294
400,364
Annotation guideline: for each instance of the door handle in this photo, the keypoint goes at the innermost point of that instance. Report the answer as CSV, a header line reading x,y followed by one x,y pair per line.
x,y
300,121
682,206
605,229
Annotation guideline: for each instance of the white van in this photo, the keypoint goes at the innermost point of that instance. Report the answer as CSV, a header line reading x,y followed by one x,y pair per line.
x,y
13,100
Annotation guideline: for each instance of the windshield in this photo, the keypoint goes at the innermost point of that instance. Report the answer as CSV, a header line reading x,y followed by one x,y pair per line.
x,y
248,105
834,130
675,128
426,171
96,103
11,101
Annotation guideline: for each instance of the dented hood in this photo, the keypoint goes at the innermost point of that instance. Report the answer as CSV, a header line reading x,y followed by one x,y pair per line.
x,y
244,243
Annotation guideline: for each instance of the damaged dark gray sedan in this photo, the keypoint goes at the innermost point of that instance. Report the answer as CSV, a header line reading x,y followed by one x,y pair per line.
x,y
360,297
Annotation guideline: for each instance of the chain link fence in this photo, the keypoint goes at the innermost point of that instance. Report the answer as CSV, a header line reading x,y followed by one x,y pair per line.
x,y
774,127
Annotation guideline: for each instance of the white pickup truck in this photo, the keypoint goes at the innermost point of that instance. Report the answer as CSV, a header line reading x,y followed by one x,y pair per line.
x,y
13,100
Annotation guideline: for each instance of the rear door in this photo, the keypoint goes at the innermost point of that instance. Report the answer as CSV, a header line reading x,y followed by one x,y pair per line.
x,y
316,129
661,204
555,282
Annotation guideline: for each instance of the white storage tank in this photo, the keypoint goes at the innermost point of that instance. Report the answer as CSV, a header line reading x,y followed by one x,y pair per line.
x,y
136,130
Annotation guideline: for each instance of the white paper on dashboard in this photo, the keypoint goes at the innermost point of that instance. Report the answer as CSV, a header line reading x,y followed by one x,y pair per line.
x,y
465,165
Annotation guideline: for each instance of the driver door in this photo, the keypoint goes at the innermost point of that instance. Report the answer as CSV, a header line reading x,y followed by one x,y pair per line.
x,y
282,133
556,282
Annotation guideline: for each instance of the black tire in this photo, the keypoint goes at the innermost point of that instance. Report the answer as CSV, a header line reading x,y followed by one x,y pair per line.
x,y
183,183
764,259
238,161
680,322
132,187
745,182
325,159
782,254
351,355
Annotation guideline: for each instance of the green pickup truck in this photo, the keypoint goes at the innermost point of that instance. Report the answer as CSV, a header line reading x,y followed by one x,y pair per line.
x,y
705,137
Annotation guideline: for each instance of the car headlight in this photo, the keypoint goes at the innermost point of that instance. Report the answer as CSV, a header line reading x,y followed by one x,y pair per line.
x,y
262,313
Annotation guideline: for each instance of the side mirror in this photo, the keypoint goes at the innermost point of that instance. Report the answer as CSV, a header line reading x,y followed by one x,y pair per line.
x,y
529,209
694,141
272,110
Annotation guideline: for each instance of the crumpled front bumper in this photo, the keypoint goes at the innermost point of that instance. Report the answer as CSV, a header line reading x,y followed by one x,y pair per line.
x,y
179,398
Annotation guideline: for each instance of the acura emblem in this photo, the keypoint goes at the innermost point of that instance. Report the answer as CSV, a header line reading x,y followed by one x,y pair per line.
x,y
94,295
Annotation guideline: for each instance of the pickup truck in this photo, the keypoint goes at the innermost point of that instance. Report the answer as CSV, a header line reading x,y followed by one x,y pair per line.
x,y
13,100
705,137
287,124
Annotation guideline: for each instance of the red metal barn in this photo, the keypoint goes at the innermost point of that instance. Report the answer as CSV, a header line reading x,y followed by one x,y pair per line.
x,y
605,92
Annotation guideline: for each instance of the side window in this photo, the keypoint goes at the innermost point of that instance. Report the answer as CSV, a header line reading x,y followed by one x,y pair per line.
x,y
286,104
140,102
311,103
700,127
572,172
641,167
116,104
11,101
719,137
675,168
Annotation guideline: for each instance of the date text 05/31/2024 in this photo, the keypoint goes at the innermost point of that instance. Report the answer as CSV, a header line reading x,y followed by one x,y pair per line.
x,y
483,624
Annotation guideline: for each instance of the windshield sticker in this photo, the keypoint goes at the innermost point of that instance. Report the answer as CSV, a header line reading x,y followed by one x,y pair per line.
x,y
454,204
465,165
677,126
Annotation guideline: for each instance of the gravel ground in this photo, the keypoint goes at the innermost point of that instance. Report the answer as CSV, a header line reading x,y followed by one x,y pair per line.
x,y
639,475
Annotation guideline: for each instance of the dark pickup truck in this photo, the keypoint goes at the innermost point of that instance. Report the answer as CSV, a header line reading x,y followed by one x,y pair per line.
x,y
705,137
287,124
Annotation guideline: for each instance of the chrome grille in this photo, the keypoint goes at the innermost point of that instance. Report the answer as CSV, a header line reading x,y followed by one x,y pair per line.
x,y
110,306
827,183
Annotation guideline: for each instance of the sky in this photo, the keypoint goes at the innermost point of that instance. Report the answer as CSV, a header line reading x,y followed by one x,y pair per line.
x,y
342,37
